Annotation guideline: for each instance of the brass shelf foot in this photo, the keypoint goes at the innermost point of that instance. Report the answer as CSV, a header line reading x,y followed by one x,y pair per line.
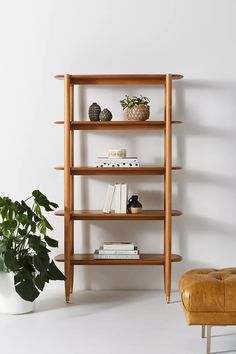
x,y
203,331
167,299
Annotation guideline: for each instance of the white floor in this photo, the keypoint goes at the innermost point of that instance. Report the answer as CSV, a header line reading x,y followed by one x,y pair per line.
x,y
108,322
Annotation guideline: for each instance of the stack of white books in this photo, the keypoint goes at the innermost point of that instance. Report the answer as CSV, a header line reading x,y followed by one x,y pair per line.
x,y
116,198
116,162
117,250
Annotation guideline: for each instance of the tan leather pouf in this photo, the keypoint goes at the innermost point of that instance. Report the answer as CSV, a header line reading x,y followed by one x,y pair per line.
x,y
209,298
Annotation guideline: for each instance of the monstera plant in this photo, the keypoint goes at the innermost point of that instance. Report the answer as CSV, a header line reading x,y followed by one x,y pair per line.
x,y
25,244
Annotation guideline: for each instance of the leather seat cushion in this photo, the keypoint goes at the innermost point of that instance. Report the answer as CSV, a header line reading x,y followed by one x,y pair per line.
x,y
209,290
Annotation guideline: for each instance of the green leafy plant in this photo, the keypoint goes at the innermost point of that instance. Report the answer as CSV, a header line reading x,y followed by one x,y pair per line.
x,y
129,102
24,243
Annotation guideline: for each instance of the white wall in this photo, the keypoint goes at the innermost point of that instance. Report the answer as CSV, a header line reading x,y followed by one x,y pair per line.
x,y
195,38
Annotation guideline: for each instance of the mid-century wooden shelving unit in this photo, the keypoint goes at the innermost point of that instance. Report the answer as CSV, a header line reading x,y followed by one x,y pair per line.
x,y
71,259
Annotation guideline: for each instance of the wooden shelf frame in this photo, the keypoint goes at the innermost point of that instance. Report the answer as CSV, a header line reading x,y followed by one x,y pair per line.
x,y
70,170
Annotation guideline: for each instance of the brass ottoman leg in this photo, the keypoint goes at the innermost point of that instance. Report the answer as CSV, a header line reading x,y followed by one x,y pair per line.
x,y
208,339
203,331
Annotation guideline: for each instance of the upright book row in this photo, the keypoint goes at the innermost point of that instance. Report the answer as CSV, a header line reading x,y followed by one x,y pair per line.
x,y
116,199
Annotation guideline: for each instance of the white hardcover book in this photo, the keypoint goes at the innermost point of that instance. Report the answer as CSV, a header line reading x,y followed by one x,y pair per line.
x,y
108,199
113,165
102,251
112,161
123,159
123,207
117,198
115,256
118,246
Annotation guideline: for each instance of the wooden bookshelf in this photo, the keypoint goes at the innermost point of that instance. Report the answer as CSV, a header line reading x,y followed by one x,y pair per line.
x,y
70,215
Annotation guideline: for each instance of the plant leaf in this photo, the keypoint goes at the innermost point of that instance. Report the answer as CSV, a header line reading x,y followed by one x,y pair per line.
x,y
27,290
39,282
46,223
3,267
54,272
11,262
34,241
43,201
3,246
51,242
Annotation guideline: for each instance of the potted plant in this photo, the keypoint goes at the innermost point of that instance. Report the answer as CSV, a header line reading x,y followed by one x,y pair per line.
x,y
137,108
25,265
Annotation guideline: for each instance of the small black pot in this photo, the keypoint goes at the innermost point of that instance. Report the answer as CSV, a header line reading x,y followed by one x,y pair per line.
x,y
134,206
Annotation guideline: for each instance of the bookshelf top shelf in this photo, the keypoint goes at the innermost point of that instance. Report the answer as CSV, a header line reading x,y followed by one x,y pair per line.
x,y
120,79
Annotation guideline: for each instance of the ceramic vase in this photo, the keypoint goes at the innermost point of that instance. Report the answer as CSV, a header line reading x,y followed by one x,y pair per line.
x,y
134,206
105,115
94,111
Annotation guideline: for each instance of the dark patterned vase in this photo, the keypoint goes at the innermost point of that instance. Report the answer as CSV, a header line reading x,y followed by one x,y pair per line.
x,y
94,111
105,115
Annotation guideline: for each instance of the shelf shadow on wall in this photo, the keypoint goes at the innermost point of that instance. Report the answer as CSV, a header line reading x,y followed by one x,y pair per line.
x,y
223,178
190,223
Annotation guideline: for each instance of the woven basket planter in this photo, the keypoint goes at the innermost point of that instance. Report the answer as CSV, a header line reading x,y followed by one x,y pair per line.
x,y
139,112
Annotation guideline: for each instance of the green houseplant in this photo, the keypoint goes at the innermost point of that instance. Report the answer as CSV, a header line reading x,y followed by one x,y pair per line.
x,y
24,244
137,107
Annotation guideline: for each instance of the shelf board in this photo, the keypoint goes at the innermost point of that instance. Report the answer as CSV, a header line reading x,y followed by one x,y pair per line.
x,y
120,79
149,170
99,215
118,125
146,259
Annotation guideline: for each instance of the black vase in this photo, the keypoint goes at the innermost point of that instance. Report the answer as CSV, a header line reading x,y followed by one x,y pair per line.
x,y
134,206
94,111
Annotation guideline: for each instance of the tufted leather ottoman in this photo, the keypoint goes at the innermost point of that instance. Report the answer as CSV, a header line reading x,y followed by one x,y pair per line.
x,y
209,298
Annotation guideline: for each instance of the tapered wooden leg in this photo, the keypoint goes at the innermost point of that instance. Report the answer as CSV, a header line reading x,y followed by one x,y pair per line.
x,y
208,348
72,252
168,185
67,188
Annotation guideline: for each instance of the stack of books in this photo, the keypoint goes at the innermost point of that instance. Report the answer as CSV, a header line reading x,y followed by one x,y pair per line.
x,y
117,250
116,199
116,162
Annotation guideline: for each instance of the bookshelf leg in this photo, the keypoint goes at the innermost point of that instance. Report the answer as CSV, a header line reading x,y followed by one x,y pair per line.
x,y
167,283
67,290
72,279
71,103
168,184
67,186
